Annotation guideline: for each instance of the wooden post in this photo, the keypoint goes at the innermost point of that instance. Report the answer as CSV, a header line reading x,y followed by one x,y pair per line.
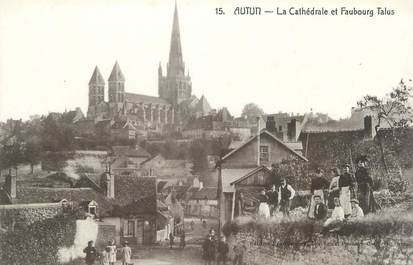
x,y
219,195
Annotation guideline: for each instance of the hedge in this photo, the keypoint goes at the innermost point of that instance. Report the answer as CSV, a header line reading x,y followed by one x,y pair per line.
x,y
37,243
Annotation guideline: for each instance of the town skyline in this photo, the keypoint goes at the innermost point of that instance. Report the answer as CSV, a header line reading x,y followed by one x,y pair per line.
x,y
57,56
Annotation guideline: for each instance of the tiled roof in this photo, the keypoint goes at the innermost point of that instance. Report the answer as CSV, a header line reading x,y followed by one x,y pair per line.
x,y
121,150
30,195
229,175
136,195
138,98
180,191
209,193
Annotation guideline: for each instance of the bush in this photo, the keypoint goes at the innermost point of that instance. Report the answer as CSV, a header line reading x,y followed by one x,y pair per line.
x,y
37,243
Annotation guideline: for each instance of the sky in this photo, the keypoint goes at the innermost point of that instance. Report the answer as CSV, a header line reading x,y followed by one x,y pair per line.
x,y
294,64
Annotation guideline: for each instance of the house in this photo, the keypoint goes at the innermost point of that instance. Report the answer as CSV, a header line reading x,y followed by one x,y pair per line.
x,y
246,169
126,207
203,202
126,159
166,169
123,130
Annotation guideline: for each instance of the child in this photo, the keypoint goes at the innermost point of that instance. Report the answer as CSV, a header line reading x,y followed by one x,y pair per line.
x,y
126,254
106,256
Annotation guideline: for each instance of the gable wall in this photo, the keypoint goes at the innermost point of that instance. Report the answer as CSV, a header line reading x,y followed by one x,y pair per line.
x,y
247,156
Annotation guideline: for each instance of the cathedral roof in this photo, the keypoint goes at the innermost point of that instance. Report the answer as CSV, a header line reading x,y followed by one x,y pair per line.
x,y
138,98
97,78
116,74
203,106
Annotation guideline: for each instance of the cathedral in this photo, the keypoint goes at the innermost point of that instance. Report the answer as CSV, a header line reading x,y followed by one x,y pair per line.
x,y
172,109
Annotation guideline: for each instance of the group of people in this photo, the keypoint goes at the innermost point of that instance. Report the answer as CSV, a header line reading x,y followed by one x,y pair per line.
x,y
108,255
276,199
217,250
350,197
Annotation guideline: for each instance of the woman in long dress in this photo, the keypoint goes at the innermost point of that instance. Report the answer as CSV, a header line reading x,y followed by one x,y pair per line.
x,y
318,185
263,208
112,252
333,190
345,183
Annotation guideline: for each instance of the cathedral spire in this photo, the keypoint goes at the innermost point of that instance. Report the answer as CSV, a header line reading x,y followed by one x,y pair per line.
x,y
176,63
116,74
96,78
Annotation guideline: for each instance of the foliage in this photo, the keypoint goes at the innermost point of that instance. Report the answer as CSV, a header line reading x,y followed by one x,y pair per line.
x,y
251,111
294,170
380,234
392,111
37,243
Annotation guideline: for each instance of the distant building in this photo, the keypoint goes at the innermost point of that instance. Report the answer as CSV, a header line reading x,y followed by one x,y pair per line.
x,y
173,105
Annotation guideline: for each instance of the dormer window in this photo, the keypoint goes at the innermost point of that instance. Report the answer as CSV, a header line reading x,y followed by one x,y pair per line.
x,y
92,208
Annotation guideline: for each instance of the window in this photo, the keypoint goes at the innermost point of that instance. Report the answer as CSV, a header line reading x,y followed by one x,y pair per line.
x,y
131,228
264,154
280,128
92,210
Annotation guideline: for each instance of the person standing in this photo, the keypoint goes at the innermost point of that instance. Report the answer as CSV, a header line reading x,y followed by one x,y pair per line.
x,y
223,249
209,250
263,208
345,183
272,195
239,251
364,183
182,242
285,194
171,240
91,253
333,190
318,184
126,253
112,252
105,259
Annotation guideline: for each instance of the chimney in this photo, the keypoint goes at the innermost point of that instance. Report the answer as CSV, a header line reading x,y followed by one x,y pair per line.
x,y
292,130
368,127
270,125
10,185
201,185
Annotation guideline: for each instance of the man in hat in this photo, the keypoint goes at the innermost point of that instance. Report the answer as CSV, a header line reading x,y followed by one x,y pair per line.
x,y
365,183
356,211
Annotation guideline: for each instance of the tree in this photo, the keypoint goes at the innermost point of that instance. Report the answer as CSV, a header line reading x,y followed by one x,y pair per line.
x,y
199,157
32,153
251,111
392,112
